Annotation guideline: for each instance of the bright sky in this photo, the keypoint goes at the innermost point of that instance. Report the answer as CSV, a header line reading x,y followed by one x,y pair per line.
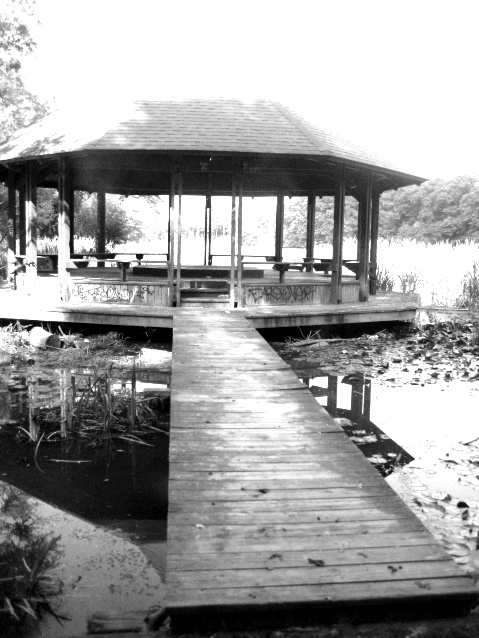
x,y
400,77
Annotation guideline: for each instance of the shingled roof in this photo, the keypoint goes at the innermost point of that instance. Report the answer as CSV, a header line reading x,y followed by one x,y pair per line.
x,y
207,126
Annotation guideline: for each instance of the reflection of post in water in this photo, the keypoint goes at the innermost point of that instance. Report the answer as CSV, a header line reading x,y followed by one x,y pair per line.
x,y
360,397
66,407
33,427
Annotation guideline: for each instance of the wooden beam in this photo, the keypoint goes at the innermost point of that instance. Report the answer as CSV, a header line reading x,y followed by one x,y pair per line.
x,y
22,221
12,230
171,241
240,242
364,235
278,251
310,229
63,229
70,199
179,182
207,251
336,265
31,225
373,263
233,242
101,212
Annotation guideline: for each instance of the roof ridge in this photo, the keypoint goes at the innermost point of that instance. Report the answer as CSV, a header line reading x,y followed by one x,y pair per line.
x,y
300,124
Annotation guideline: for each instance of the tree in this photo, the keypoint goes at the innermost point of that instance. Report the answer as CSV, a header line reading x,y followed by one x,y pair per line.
x,y
18,107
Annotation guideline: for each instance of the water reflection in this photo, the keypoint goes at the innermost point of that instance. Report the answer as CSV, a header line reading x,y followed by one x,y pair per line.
x,y
93,442
348,400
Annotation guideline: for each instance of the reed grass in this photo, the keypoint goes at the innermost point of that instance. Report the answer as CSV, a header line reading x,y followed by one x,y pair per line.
x,y
28,559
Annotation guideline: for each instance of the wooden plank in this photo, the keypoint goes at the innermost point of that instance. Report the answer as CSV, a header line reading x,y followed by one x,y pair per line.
x,y
286,559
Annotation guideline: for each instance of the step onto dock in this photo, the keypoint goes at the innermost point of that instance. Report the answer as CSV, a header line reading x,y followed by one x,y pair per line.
x,y
271,507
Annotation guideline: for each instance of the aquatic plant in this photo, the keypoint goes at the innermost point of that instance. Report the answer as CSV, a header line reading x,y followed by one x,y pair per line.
x,y
469,296
384,279
27,562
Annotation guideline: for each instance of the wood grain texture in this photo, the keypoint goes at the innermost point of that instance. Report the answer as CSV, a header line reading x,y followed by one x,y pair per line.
x,y
271,505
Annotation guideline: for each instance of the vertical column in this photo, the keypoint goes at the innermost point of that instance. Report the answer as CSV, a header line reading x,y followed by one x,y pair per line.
x,y
70,198
310,228
337,262
364,234
278,250
233,240
207,250
22,222
179,232
101,216
12,230
171,241
63,229
240,242
31,225
373,264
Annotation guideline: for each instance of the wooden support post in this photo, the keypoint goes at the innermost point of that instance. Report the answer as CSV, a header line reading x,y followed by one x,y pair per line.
x,y
207,251
63,230
337,262
70,198
179,233
31,226
278,251
310,228
12,230
171,242
101,213
233,241
240,242
373,264
22,222
364,221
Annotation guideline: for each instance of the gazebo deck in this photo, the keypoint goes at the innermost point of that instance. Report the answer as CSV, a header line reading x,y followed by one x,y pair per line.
x,y
202,286
102,298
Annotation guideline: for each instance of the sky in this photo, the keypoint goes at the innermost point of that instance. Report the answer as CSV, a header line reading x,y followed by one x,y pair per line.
x,y
400,77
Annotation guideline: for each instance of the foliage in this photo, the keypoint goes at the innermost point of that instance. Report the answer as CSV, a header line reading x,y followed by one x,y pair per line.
x,y
469,297
27,558
18,107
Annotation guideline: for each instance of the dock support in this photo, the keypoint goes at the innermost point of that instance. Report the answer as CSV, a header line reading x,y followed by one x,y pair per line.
x,y
310,228
12,230
336,265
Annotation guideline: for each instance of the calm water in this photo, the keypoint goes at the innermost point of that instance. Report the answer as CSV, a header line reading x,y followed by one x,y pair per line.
x,y
97,470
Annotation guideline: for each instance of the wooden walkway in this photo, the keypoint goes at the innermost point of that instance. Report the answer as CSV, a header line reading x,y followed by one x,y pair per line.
x,y
271,506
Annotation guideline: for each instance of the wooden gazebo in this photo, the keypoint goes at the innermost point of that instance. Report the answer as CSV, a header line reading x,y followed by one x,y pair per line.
x,y
200,147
